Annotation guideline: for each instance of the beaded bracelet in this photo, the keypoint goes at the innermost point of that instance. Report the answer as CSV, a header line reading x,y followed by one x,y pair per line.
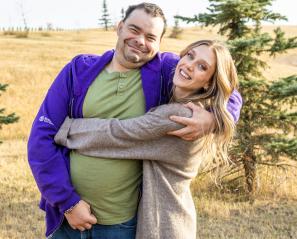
x,y
71,208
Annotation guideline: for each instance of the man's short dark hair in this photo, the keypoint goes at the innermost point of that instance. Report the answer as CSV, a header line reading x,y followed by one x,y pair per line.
x,y
151,9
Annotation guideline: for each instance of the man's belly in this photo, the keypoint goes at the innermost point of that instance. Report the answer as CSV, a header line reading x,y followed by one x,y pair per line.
x,y
110,186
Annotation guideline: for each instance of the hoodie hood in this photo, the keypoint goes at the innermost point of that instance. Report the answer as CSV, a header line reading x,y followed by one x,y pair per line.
x,y
85,68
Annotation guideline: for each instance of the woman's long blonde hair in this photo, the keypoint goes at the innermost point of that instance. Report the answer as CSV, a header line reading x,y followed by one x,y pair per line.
x,y
215,99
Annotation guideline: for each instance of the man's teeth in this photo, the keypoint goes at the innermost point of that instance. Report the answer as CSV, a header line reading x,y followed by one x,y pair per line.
x,y
185,75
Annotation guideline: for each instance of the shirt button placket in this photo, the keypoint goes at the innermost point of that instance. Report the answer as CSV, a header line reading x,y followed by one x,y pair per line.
x,y
121,84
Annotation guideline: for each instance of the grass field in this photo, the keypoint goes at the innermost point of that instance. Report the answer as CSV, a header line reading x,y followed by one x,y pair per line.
x,y
30,65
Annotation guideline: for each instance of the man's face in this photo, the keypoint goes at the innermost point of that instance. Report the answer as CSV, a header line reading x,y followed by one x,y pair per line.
x,y
138,39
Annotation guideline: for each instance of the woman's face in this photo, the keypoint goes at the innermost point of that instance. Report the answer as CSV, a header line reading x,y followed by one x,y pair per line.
x,y
194,70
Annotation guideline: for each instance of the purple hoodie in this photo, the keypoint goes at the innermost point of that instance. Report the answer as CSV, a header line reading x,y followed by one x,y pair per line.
x,y
50,162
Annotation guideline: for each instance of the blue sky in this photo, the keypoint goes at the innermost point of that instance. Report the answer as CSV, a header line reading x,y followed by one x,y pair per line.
x,y
85,13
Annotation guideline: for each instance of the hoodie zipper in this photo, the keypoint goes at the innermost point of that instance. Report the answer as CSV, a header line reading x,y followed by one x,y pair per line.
x,y
60,224
161,90
71,108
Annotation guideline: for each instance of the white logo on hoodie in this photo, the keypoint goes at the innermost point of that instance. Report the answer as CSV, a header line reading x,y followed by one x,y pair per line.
x,y
45,119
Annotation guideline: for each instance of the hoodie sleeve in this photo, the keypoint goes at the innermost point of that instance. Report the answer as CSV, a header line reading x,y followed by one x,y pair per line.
x,y
234,105
115,138
47,160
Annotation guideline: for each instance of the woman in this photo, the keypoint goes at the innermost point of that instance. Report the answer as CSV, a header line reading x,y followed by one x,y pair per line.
x,y
204,75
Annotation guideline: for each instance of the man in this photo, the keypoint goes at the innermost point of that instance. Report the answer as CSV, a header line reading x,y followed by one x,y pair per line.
x,y
121,84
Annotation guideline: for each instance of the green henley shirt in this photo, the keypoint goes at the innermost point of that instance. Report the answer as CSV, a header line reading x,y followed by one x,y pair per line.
x,y
110,186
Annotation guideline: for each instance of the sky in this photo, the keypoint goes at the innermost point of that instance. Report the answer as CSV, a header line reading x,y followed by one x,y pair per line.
x,y
68,14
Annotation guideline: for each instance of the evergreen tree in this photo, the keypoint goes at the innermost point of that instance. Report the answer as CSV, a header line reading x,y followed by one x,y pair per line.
x,y
268,122
122,13
176,30
105,19
6,119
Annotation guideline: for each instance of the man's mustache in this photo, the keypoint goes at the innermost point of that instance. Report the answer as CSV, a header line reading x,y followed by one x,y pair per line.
x,y
137,47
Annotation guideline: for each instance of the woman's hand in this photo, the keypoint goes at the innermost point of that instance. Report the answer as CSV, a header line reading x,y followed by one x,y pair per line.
x,y
201,123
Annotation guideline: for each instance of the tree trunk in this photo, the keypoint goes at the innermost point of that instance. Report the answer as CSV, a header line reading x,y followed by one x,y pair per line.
x,y
250,166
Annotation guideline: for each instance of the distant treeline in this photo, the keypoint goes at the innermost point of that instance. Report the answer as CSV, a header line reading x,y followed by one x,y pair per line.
x,y
33,29
22,32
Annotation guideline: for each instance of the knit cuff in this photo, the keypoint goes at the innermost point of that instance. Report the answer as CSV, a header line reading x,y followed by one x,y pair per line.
x,y
62,134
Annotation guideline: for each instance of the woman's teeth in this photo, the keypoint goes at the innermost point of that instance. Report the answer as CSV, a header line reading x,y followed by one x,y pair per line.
x,y
185,75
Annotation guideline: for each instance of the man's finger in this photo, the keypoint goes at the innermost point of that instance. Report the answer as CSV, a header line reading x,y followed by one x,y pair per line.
x,y
189,138
73,227
189,104
187,133
88,226
196,109
180,132
81,228
181,120
92,219
193,106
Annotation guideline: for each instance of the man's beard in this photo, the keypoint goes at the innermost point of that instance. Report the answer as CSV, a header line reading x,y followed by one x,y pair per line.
x,y
135,59
130,61
132,58
137,55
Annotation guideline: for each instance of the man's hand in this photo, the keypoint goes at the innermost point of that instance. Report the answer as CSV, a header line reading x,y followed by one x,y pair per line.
x,y
201,123
80,216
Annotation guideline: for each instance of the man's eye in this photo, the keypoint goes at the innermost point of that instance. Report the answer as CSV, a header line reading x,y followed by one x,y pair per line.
x,y
151,39
133,30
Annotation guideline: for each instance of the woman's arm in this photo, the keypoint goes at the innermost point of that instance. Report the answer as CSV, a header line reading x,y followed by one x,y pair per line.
x,y
121,138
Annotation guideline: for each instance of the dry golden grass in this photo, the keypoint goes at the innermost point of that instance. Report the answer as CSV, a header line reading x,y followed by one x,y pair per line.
x,y
30,65
19,213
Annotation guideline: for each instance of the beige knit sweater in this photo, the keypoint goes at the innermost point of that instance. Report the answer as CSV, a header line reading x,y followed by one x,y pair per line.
x,y
166,209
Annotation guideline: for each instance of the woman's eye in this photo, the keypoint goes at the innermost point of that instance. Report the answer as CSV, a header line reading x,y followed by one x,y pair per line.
x,y
190,55
202,67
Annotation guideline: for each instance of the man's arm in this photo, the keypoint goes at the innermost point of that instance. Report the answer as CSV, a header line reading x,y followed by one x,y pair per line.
x,y
48,160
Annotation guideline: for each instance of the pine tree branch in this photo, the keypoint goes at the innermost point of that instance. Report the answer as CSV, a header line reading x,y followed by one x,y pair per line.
x,y
3,87
283,88
281,44
8,119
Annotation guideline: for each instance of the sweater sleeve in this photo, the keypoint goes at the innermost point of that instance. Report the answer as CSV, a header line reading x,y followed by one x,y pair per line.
x,y
121,138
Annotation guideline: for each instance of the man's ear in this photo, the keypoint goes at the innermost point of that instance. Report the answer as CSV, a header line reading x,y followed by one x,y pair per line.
x,y
120,26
